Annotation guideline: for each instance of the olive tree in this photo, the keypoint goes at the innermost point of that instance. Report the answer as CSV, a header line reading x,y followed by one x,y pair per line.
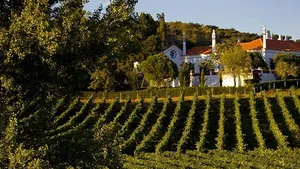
x,y
286,65
236,62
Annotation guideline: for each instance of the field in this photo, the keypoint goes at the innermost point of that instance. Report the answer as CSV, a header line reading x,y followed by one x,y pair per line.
x,y
235,131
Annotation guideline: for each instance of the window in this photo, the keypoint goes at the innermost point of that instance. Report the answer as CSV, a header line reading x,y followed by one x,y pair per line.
x,y
173,54
272,64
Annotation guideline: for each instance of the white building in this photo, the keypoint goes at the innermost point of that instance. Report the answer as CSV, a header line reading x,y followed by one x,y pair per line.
x,y
267,46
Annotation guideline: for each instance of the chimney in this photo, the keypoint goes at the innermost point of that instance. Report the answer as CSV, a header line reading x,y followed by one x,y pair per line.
x,y
264,37
286,38
184,45
271,35
268,35
239,40
279,37
213,43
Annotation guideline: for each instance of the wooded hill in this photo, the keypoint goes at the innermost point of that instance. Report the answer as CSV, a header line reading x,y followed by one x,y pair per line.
x,y
200,34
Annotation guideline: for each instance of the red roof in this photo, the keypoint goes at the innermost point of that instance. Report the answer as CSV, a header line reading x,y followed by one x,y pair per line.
x,y
283,45
199,50
253,45
272,45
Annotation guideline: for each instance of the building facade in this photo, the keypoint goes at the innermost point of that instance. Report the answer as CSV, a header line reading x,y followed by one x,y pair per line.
x,y
267,46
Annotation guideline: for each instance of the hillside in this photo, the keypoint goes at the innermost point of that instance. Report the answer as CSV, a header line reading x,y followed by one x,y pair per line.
x,y
200,35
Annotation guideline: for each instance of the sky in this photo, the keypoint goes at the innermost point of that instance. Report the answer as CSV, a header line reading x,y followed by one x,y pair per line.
x,y
279,16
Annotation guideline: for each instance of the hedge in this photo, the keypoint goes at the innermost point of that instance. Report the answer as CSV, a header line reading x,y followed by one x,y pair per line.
x,y
168,92
190,91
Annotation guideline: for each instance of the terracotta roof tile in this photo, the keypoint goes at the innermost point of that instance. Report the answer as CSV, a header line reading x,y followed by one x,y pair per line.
x,y
199,50
283,45
253,45
272,45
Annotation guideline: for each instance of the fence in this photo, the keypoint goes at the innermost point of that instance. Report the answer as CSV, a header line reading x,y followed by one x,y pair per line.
x,y
280,84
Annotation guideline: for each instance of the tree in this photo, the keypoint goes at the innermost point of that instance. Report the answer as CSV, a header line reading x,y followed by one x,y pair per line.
x,y
27,68
184,73
157,68
119,41
146,25
42,53
205,66
286,65
15,155
221,48
257,60
9,7
162,30
236,62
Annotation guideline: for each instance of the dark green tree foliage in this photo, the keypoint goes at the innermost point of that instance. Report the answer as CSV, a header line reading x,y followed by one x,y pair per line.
x,y
15,155
9,7
147,25
157,68
46,52
87,149
205,67
184,73
162,30
200,35
120,41
257,60
28,69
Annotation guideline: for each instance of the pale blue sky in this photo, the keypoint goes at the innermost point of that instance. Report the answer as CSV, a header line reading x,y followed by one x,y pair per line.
x,y
280,16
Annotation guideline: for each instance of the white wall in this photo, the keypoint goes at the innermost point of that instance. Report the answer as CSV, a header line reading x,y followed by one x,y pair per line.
x,y
178,59
196,60
212,80
266,77
228,80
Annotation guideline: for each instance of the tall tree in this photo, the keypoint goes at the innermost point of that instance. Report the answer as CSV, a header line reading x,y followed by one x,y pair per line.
x,y
162,30
184,74
28,48
120,42
236,62
205,66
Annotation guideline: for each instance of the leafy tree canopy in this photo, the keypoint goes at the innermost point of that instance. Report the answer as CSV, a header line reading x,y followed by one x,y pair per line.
x,y
257,60
287,65
236,62
184,73
157,68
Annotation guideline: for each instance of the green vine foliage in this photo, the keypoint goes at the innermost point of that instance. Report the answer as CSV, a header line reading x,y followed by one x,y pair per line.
x,y
238,122
281,139
204,130
162,145
181,146
155,129
221,133
255,122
